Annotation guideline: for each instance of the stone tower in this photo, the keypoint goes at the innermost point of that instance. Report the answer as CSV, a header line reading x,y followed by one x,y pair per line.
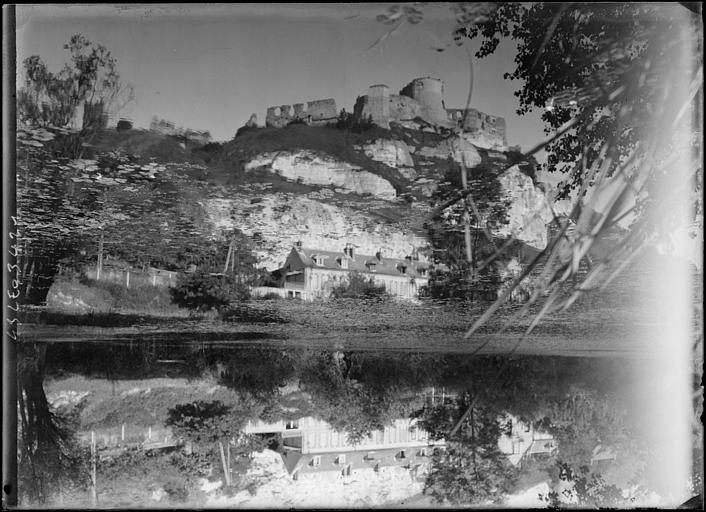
x,y
379,104
429,93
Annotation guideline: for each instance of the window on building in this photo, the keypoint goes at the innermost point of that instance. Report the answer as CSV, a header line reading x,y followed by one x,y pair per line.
x,y
341,459
292,425
290,294
371,266
528,427
316,461
298,295
402,269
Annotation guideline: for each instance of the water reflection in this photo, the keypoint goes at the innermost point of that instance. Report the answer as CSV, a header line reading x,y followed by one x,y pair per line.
x,y
306,427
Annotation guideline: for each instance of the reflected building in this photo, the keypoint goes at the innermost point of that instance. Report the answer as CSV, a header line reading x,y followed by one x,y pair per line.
x,y
310,446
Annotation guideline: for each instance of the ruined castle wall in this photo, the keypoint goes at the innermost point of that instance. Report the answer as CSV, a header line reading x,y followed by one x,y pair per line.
x,y
384,109
429,92
403,108
322,111
480,123
279,116
316,112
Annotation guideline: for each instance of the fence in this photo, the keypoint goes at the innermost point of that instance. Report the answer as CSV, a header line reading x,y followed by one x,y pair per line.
x,y
126,435
131,277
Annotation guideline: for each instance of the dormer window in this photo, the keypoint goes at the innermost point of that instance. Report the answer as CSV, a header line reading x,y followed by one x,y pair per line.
x,y
422,271
402,268
343,262
316,461
319,260
371,265
341,459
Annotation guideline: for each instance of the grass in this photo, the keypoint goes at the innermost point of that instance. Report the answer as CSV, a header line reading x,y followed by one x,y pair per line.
x,y
107,304
138,403
147,145
326,140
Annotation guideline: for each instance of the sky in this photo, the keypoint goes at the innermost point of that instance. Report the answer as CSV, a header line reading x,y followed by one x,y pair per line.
x,y
210,67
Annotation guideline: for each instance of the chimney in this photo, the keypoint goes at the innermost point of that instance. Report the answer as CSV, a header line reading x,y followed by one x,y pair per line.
x,y
298,245
378,255
348,250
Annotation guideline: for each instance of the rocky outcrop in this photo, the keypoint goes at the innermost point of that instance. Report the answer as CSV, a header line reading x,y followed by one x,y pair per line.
x,y
458,148
529,210
277,221
313,169
394,153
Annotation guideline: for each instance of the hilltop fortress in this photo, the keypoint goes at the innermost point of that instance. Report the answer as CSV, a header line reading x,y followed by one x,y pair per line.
x,y
422,98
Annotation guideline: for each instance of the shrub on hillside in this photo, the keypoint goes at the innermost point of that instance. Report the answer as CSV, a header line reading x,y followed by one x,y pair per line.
x,y
358,287
144,298
245,129
73,297
349,122
203,291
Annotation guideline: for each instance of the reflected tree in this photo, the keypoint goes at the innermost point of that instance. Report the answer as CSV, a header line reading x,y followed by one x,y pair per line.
x,y
208,427
471,469
50,461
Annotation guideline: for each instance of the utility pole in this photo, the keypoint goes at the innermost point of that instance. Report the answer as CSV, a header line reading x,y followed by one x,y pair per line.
x,y
466,218
229,256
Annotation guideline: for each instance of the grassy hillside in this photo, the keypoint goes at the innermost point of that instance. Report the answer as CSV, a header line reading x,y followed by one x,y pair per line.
x,y
319,139
148,145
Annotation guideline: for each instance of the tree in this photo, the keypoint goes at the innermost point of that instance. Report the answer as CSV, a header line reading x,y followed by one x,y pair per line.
x,y
464,279
620,89
586,490
601,66
91,81
345,398
358,287
210,425
63,202
50,459
471,469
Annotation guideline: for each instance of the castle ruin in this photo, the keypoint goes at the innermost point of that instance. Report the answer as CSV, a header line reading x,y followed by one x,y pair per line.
x,y
424,98
316,113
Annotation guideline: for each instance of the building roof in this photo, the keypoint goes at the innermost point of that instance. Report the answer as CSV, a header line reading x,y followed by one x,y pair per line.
x,y
363,263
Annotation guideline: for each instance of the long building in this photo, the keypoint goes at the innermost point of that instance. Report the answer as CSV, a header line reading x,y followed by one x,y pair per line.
x,y
312,273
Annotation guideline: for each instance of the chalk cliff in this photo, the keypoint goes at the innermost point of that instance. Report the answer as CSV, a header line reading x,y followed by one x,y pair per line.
x,y
312,169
